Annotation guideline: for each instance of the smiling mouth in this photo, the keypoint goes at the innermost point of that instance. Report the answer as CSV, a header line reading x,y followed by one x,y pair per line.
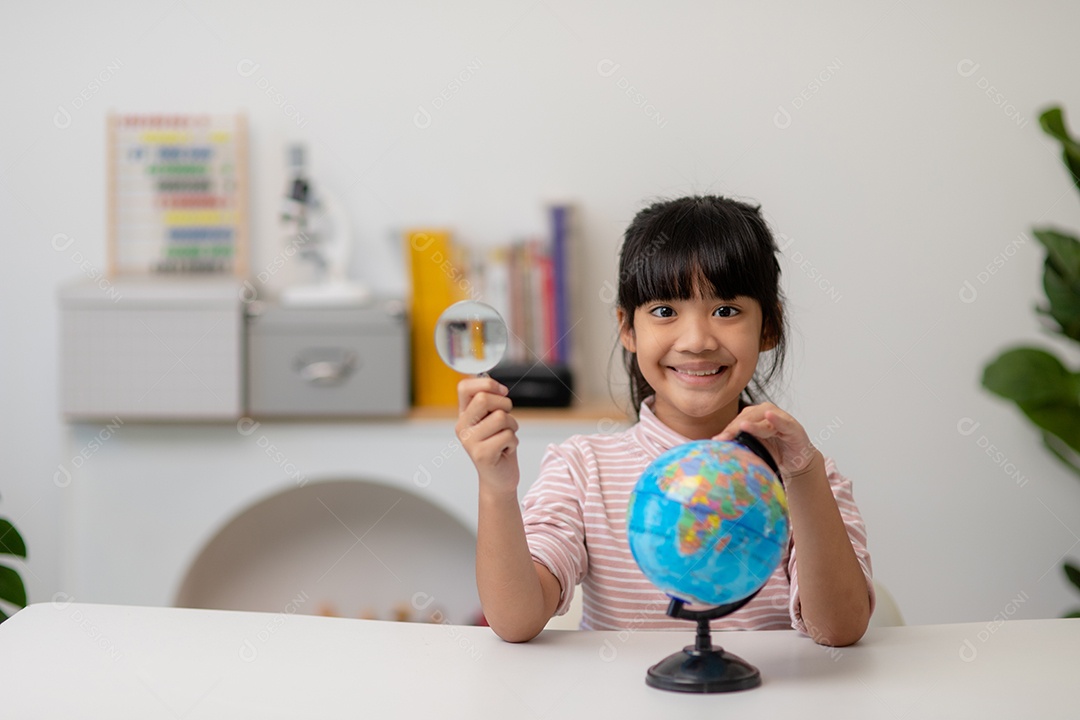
x,y
700,373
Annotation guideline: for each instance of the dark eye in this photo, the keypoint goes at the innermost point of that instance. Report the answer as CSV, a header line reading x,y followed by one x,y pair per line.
x,y
726,311
662,311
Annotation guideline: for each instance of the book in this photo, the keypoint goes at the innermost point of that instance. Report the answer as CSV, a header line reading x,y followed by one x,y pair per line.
x,y
549,320
438,281
559,215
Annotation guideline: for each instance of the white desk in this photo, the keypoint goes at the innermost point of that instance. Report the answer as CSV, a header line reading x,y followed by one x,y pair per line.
x,y
104,661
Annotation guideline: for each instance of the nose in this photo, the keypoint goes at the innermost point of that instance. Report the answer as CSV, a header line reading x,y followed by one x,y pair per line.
x,y
695,335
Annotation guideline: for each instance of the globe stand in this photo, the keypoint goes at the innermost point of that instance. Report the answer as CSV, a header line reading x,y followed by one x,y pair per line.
x,y
703,667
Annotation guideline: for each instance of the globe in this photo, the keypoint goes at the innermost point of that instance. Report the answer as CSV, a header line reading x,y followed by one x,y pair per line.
x,y
708,523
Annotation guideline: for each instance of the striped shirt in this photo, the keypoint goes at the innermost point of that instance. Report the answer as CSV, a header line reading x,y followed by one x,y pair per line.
x,y
575,523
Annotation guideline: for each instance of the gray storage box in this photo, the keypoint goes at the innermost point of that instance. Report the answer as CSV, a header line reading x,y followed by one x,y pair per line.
x,y
328,362
154,348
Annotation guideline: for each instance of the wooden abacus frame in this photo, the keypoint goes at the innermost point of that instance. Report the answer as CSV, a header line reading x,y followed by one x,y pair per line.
x,y
233,196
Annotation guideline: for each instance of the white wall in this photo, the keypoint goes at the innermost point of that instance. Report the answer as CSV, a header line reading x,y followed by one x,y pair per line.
x,y
892,174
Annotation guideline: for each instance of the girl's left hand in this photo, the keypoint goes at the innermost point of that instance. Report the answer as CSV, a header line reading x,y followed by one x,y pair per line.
x,y
781,434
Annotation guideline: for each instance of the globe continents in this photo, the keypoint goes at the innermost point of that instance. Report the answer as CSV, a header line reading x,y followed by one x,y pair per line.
x,y
707,522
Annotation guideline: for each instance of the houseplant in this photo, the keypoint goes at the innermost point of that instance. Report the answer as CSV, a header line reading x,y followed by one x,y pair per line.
x,y
12,590
1040,384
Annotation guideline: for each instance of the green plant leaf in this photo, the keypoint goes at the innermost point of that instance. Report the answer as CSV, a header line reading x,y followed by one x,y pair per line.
x,y
1061,420
1063,249
1073,573
3,616
1061,279
1053,124
1073,614
1030,376
11,542
11,587
1042,388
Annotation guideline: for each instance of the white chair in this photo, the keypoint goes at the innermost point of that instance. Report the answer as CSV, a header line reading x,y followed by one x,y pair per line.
x,y
572,619
886,611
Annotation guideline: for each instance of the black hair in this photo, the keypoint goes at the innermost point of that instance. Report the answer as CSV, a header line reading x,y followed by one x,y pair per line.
x,y
675,248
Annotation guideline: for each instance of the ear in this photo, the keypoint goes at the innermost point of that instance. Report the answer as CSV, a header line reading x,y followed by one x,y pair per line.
x,y
768,342
626,331
768,337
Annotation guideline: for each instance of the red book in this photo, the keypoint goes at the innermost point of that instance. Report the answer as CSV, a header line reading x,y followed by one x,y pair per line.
x,y
547,304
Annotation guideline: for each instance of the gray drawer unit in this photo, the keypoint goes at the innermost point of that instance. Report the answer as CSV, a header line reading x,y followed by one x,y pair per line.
x,y
328,362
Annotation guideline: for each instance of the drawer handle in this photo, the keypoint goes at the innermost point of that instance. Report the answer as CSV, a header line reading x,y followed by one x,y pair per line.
x,y
327,372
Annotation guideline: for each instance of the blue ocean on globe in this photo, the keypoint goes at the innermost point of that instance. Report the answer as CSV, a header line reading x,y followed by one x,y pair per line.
x,y
708,522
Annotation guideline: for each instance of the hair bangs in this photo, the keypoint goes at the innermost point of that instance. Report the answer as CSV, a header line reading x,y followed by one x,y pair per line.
x,y
712,254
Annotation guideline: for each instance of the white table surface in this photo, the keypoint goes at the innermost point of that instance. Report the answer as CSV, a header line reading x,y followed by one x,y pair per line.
x,y
71,660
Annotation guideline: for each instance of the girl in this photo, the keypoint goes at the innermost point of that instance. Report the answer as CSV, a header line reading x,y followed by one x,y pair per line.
x,y
698,300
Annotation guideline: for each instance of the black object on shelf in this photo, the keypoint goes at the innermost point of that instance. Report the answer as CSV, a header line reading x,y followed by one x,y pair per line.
x,y
537,384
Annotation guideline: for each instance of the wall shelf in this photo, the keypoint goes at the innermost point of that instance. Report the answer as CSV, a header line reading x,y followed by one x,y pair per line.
x,y
580,413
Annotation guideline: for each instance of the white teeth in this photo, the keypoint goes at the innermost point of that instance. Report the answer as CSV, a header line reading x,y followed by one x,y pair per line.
x,y
703,373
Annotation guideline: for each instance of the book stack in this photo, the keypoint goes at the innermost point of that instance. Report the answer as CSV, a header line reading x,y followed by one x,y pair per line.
x,y
528,282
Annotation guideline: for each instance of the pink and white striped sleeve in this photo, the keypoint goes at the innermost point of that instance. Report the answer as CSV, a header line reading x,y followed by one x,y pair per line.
x,y
554,521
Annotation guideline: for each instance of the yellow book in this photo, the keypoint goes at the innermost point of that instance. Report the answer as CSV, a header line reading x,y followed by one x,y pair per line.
x,y
438,281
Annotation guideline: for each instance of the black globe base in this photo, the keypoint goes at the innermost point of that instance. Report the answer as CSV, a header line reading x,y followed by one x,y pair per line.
x,y
709,671
703,667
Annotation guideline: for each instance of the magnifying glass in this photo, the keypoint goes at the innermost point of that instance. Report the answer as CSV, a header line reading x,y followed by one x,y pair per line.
x,y
470,337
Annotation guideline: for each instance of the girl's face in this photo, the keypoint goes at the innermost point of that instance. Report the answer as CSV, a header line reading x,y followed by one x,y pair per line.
x,y
698,355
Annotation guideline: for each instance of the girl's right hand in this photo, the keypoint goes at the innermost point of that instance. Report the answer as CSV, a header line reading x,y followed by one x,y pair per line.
x,y
488,432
